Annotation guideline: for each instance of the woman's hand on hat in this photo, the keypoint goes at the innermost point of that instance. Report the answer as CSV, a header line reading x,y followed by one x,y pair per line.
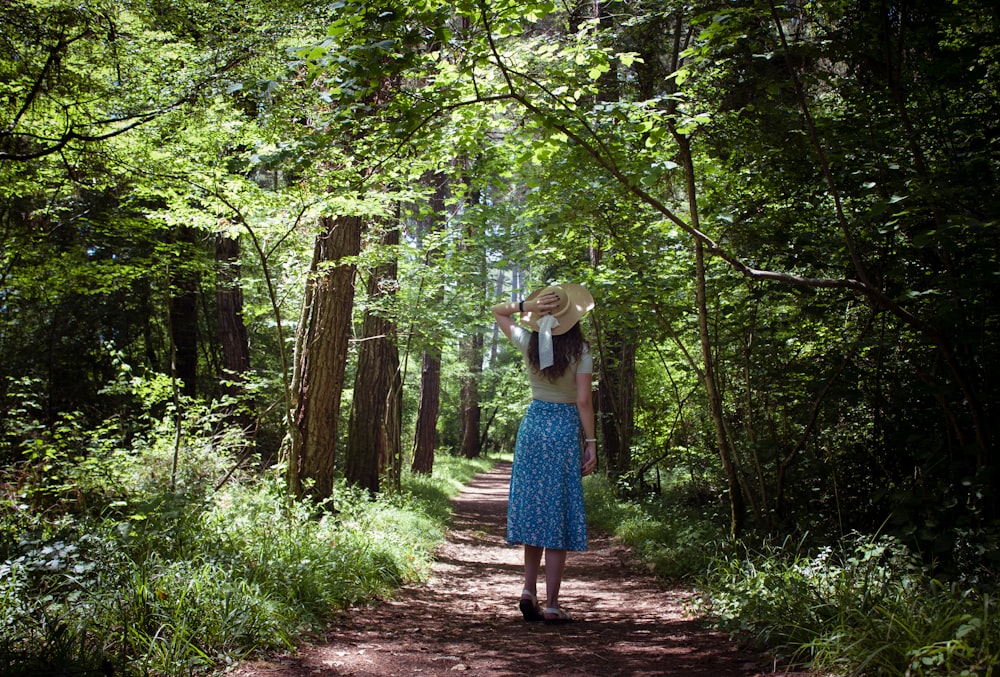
x,y
546,303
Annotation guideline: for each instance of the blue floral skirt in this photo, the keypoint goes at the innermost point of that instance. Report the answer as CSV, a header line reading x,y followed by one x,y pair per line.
x,y
546,492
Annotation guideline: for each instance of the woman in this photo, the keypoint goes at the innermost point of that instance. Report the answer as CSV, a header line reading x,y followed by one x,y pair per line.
x,y
545,512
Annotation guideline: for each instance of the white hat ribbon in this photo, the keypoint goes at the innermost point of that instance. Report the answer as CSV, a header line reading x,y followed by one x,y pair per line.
x,y
546,323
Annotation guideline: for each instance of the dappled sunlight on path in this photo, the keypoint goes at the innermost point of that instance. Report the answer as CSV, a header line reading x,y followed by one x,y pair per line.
x,y
465,619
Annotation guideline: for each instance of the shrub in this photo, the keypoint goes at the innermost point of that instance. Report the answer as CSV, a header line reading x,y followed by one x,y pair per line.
x,y
864,607
117,556
673,538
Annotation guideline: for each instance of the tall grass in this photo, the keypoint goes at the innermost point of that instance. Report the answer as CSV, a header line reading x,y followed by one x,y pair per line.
x,y
863,606
672,533
105,569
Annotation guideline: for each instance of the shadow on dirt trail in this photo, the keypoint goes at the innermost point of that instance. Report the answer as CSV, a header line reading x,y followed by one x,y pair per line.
x,y
465,619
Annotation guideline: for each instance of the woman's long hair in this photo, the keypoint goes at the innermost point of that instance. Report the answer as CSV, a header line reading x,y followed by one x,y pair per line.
x,y
566,350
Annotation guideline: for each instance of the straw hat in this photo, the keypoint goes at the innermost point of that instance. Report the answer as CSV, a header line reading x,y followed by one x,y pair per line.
x,y
574,302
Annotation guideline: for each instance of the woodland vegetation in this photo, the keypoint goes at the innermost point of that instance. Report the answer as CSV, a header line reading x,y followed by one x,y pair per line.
x,y
248,248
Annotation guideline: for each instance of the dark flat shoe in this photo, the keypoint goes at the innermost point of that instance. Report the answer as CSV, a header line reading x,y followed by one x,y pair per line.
x,y
529,607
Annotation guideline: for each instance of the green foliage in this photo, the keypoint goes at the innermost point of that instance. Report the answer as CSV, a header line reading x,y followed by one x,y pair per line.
x,y
671,534
102,564
865,606
830,143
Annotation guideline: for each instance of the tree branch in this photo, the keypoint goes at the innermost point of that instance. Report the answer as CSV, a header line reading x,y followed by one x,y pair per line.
x,y
36,88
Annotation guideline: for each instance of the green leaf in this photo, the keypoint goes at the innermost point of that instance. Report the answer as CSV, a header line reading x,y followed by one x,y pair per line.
x,y
597,71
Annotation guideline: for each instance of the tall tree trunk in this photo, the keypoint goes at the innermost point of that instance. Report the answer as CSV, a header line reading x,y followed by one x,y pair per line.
x,y
425,434
616,365
185,282
737,506
321,357
739,491
391,457
472,356
373,433
616,398
232,329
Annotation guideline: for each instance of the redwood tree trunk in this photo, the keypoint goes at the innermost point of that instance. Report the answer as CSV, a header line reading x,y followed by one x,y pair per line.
x,y
321,357
373,442
425,434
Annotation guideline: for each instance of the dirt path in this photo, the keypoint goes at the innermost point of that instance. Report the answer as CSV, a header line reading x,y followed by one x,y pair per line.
x,y
465,620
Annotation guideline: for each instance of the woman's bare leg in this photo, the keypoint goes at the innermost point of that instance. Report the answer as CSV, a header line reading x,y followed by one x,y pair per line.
x,y
555,565
532,563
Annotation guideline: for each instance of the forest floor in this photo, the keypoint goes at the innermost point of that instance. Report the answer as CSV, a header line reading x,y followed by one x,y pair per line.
x,y
465,620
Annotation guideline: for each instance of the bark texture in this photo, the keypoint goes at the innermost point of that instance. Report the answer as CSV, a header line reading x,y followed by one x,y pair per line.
x,y
321,357
373,442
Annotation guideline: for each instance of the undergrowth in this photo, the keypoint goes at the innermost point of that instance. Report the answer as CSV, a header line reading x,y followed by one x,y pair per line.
x,y
669,533
103,568
865,605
